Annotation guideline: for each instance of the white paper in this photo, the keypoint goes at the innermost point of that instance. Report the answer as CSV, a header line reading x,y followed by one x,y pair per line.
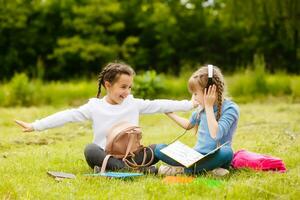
x,y
182,153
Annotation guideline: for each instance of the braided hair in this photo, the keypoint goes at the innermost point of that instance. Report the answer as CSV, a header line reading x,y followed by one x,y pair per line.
x,y
200,78
111,73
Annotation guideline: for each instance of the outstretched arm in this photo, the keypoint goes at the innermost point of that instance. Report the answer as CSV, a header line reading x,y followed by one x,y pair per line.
x,y
164,105
58,119
184,123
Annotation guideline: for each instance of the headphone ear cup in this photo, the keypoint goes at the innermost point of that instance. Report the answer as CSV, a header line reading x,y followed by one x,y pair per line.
x,y
209,82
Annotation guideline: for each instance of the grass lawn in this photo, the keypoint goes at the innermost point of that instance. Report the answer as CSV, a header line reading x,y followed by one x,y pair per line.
x,y
272,129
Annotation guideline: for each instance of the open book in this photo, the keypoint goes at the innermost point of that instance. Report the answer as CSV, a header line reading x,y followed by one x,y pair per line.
x,y
184,154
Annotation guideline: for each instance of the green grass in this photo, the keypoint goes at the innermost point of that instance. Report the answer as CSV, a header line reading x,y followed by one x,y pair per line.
x,y
25,158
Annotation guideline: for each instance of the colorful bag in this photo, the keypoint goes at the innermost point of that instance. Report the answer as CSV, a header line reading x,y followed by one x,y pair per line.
x,y
247,159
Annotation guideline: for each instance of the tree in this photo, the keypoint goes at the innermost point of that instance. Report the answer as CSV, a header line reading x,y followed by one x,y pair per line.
x,y
273,24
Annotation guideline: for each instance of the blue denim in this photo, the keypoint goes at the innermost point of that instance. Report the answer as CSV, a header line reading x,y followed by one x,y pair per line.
x,y
221,158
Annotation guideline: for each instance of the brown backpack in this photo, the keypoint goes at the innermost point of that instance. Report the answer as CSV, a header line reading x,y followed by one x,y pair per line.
x,y
124,141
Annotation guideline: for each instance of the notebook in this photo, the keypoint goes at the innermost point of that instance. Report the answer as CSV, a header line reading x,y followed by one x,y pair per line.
x,y
61,175
184,154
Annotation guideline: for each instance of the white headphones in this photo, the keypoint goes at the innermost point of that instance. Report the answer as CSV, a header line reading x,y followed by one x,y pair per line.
x,y
210,71
210,75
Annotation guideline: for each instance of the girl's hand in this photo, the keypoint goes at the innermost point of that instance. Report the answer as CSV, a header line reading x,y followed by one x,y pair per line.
x,y
26,127
169,113
210,96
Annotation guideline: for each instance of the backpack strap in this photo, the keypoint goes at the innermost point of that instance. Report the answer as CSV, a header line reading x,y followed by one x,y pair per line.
x,y
144,157
104,163
131,137
134,165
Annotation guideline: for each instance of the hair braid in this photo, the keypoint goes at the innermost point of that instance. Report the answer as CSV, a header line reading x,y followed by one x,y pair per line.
x,y
220,92
100,80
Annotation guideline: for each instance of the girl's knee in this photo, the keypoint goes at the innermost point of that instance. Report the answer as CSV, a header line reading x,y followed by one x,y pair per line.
x,y
90,149
94,155
157,149
226,154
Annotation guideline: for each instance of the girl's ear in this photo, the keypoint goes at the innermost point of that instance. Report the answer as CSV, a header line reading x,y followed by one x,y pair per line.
x,y
107,84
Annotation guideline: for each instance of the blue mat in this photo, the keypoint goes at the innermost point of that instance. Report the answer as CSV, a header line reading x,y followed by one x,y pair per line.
x,y
116,174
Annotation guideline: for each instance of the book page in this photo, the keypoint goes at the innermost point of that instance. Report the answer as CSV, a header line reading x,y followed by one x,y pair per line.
x,y
182,153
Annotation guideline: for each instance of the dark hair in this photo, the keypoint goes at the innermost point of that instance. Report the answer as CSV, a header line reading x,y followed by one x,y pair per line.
x,y
111,73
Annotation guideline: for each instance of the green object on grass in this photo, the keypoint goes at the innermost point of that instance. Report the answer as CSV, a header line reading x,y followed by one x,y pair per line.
x,y
208,182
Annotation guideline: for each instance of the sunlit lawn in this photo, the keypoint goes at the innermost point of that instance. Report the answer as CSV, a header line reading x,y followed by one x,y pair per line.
x,y
26,157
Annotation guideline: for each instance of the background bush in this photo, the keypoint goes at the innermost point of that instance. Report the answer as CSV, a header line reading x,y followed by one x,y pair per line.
x,y
242,87
22,91
148,85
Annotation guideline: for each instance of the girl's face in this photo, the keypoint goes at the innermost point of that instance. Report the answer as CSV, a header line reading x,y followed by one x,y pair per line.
x,y
198,95
119,90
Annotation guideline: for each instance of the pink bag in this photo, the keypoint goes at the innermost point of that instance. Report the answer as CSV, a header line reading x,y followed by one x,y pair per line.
x,y
247,159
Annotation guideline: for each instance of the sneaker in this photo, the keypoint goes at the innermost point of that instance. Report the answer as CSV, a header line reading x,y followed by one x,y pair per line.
x,y
170,170
220,172
148,170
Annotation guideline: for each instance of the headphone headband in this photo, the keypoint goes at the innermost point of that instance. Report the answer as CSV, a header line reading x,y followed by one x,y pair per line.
x,y
210,71
210,75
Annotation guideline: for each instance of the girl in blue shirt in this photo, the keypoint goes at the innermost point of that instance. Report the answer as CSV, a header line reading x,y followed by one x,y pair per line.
x,y
215,121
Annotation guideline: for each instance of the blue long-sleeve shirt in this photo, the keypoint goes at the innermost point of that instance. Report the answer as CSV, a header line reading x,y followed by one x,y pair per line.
x,y
226,127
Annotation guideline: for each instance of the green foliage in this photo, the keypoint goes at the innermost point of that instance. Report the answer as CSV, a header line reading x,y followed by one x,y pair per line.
x,y
252,82
244,86
259,83
271,26
68,93
149,85
86,50
2,95
74,38
176,87
129,47
259,75
279,84
295,87
21,91
92,42
40,72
